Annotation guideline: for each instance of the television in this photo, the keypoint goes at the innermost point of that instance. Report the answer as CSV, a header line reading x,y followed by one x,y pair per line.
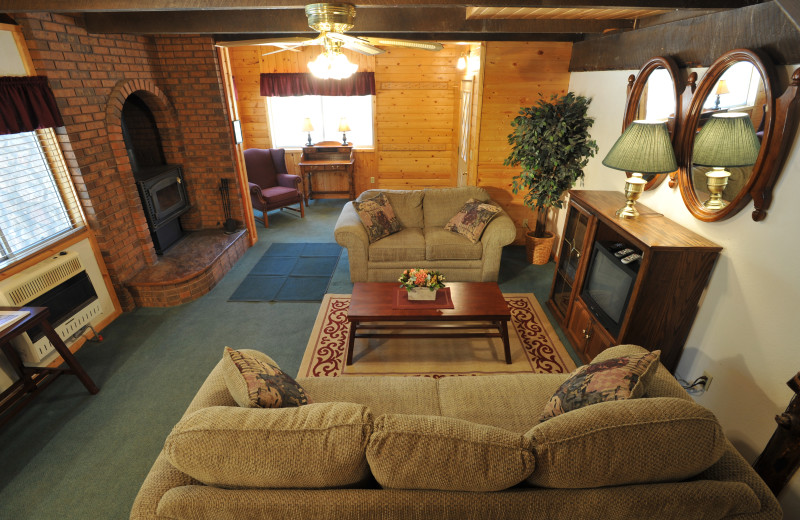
x,y
608,286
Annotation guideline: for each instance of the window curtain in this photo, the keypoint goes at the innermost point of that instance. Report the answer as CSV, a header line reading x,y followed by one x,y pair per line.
x,y
27,104
305,84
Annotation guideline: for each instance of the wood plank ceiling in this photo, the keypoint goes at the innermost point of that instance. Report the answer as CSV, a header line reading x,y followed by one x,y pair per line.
x,y
444,20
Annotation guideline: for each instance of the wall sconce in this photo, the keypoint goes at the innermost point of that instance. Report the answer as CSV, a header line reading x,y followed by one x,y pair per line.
x,y
462,62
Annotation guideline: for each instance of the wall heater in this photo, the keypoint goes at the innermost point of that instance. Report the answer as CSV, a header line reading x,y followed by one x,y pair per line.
x,y
61,284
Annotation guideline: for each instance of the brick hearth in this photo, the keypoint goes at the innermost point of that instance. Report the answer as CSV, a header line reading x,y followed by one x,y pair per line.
x,y
178,78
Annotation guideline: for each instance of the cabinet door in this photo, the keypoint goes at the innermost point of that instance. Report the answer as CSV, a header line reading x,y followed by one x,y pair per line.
x,y
570,255
586,334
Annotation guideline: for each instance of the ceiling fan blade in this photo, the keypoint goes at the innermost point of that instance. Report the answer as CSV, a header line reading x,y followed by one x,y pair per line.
x,y
411,44
355,44
297,41
283,48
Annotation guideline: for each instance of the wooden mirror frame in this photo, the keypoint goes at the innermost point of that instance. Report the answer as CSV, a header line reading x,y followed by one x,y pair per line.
x,y
778,131
636,84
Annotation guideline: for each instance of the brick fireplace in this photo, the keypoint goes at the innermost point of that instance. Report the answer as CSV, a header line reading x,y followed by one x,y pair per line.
x,y
178,79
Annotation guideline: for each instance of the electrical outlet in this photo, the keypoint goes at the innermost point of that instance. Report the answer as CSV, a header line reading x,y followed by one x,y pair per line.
x,y
525,223
372,180
708,377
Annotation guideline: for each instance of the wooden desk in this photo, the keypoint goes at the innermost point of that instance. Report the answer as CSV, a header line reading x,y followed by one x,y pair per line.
x,y
32,380
327,156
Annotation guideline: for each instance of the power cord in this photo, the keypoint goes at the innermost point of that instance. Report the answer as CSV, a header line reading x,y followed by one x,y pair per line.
x,y
698,386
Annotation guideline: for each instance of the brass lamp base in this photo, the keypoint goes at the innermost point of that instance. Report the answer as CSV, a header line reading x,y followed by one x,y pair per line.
x,y
716,181
634,187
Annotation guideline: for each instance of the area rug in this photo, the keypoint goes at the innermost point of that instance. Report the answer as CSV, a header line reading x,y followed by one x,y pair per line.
x,y
290,271
535,347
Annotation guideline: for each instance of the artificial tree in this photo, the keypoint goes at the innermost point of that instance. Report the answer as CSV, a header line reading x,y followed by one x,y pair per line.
x,y
551,142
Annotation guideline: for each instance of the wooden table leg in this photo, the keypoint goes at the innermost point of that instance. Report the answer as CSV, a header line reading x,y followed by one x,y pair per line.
x,y
69,359
502,326
13,356
351,340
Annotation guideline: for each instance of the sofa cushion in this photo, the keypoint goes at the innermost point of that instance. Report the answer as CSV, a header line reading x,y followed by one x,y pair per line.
x,y
614,379
315,446
441,244
615,443
472,219
407,245
440,204
378,217
407,205
430,452
259,384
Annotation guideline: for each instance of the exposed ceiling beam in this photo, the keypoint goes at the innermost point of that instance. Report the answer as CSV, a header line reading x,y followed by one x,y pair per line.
x,y
440,20
792,10
88,6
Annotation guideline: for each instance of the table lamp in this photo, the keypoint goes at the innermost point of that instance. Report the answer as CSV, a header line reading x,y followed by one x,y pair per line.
x,y
644,147
725,141
308,127
344,127
722,88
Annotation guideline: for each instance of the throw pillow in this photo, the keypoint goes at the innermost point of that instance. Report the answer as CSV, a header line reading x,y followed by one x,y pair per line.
x,y
610,380
448,454
472,219
259,384
378,217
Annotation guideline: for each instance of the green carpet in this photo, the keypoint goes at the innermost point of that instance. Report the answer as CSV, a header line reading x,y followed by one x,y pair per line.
x,y
70,455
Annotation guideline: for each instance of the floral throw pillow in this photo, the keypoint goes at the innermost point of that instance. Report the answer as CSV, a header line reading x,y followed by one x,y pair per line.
x,y
472,219
378,217
611,380
259,384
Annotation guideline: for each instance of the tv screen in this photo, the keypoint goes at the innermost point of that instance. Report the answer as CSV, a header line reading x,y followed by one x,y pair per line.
x,y
608,287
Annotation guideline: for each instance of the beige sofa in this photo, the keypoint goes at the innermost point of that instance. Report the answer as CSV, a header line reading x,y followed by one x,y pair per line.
x,y
642,458
424,242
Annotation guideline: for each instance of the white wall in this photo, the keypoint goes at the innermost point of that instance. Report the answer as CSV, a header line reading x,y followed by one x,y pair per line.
x,y
745,333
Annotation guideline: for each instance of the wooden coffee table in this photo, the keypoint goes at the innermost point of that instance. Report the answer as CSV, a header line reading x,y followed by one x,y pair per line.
x,y
472,301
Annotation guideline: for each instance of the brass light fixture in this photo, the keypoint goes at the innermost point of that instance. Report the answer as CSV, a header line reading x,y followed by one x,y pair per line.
x,y
644,147
336,18
726,140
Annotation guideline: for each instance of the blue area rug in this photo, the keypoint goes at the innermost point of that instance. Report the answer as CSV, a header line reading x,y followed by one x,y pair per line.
x,y
294,272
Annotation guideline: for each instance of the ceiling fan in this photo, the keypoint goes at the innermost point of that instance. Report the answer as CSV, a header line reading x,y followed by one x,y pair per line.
x,y
332,21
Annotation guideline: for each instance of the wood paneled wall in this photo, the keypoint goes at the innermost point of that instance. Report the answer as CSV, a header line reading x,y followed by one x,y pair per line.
x,y
516,74
416,112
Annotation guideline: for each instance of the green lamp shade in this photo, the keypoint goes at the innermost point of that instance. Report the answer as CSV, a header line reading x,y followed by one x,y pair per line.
x,y
726,140
644,147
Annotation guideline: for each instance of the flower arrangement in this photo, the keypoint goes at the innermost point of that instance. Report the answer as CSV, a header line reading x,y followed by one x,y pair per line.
x,y
413,278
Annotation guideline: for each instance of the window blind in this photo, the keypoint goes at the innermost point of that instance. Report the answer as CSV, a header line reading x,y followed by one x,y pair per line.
x,y
38,204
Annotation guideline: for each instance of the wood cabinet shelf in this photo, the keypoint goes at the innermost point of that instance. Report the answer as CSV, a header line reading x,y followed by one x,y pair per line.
x,y
673,272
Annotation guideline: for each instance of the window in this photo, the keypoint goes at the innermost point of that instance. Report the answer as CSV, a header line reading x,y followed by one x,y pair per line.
x,y
286,115
37,200
742,85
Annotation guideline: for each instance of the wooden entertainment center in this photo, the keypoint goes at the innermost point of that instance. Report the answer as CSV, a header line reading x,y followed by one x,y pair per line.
x,y
673,272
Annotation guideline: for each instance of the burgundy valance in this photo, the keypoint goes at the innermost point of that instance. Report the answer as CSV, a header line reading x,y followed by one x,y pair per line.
x,y
305,84
26,104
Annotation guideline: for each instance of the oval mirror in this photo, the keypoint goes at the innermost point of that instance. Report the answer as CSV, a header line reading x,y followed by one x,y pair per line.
x,y
729,118
653,95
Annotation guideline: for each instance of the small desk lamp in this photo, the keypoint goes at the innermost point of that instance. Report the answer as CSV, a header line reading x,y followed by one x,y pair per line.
x,y
307,127
344,127
722,88
726,140
644,147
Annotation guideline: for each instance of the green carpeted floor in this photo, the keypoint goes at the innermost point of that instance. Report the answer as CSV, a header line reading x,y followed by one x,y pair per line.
x,y
70,455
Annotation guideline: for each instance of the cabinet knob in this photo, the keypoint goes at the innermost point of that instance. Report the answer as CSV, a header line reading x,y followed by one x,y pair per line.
x,y
586,333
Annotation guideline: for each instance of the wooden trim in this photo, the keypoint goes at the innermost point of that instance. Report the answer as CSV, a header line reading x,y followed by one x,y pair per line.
x,y
22,47
56,247
477,87
106,276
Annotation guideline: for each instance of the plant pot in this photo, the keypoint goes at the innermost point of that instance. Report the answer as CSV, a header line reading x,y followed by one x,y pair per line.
x,y
422,293
538,249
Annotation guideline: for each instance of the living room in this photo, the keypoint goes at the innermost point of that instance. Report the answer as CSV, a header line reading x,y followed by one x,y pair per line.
x,y
739,334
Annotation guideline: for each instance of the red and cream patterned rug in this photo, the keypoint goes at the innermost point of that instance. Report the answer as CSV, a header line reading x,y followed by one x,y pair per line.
x,y
535,347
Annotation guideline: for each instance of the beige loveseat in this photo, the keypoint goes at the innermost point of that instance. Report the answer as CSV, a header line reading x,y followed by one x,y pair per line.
x,y
423,241
660,456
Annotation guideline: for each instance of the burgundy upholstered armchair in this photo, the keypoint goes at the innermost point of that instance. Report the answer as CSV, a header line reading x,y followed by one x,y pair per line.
x,y
271,185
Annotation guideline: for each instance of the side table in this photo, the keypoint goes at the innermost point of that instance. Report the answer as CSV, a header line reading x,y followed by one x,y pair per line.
x,y
33,380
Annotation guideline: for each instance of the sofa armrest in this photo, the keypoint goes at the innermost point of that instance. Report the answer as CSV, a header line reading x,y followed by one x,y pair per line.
x,y
349,232
288,180
500,232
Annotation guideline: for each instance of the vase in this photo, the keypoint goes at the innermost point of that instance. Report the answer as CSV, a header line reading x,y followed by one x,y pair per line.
x,y
422,293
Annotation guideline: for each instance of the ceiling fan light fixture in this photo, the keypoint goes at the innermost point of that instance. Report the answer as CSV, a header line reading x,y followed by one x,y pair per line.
x,y
326,17
332,65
